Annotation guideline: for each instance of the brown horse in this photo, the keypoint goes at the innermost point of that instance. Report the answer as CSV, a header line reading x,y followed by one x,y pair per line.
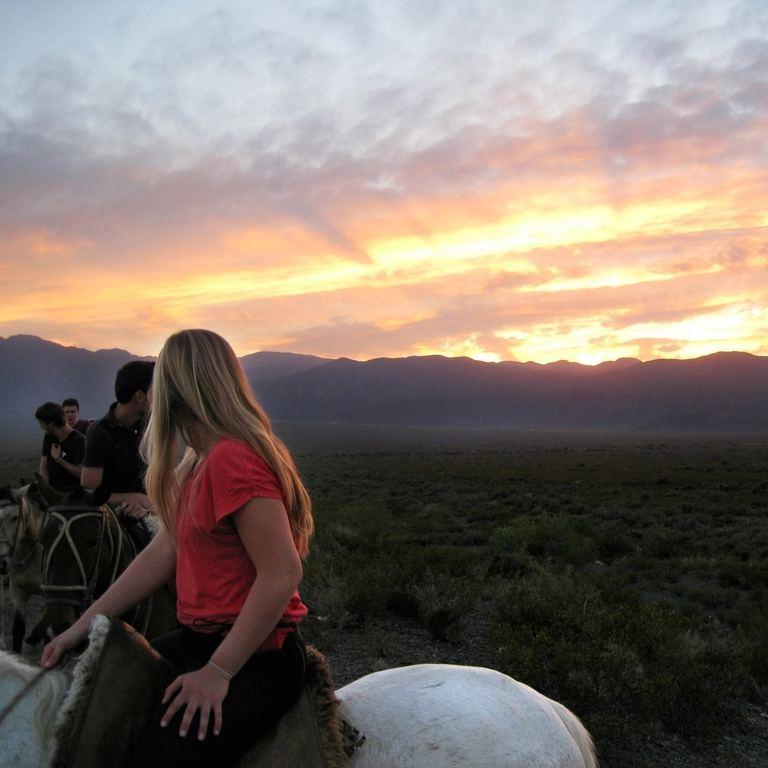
x,y
86,549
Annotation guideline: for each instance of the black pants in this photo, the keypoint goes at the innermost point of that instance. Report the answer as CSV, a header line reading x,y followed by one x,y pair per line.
x,y
259,694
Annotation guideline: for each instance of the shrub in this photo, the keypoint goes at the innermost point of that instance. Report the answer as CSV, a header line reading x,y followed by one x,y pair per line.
x,y
444,601
754,634
563,539
614,660
402,601
613,543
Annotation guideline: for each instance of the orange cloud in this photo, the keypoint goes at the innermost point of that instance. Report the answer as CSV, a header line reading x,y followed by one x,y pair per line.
x,y
587,236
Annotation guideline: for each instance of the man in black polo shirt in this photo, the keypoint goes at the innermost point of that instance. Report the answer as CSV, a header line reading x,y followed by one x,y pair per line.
x,y
63,449
112,443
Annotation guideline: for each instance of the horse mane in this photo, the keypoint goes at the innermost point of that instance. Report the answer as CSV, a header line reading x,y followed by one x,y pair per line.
x,y
50,690
28,514
11,664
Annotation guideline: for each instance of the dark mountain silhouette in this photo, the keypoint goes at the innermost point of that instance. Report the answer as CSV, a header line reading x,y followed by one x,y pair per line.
x,y
720,392
727,391
268,366
33,371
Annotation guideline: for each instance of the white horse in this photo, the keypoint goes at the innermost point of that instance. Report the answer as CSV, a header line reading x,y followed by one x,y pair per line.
x,y
446,716
424,716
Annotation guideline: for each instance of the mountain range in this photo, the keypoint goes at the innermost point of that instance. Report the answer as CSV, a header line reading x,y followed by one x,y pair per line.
x,y
722,392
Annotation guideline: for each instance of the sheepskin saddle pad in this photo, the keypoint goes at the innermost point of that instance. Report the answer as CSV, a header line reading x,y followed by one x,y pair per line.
x,y
120,676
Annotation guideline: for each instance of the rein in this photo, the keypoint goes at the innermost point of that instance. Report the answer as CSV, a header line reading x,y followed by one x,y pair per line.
x,y
111,536
20,694
64,537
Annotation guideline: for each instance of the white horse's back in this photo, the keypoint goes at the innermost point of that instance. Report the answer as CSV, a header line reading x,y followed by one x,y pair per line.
x,y
445,716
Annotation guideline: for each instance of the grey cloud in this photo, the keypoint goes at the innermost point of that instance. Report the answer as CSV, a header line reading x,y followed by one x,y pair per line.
x,y
108,157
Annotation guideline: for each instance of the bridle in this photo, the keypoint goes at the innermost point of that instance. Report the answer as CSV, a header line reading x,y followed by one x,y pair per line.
x,y
110,534
111,539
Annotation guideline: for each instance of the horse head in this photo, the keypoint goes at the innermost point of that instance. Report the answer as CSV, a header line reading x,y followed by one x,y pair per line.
x,y
20,523
12,520
85,548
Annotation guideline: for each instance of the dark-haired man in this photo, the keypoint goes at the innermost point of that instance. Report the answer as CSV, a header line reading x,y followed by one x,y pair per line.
x,y
63,449
112,444
72,413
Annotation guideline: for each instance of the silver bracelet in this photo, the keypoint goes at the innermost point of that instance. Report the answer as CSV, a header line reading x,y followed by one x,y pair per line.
x,y
223,672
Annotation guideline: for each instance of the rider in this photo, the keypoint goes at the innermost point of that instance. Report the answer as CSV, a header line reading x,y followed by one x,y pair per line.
x,y
71,408
236,524
63,449
112,443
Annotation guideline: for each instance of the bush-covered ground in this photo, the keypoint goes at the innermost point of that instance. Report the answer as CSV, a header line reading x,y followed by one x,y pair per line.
x,y
627,581
626,578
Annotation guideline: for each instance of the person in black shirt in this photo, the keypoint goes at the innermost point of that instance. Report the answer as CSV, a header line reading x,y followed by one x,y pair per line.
x,y
112,454
63,449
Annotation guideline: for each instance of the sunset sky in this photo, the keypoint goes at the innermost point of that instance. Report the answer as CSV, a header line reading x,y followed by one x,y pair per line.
x,y
506,180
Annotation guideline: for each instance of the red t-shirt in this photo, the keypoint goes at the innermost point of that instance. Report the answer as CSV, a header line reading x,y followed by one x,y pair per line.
x,y
214,572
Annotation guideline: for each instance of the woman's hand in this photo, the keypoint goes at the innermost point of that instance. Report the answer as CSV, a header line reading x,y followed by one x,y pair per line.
x,y
203,689
58,647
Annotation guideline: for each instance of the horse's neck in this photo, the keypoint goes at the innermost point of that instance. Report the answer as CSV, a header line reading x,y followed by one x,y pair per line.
x,y
27,547
31,520
50,693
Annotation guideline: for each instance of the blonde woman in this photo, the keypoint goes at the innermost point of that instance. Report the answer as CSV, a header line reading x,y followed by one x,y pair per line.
x,y
236,525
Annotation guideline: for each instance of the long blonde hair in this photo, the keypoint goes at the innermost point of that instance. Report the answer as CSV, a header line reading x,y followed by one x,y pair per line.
x,y
198,374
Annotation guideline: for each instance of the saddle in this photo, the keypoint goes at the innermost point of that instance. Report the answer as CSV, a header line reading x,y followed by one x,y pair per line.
x,y
118,678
